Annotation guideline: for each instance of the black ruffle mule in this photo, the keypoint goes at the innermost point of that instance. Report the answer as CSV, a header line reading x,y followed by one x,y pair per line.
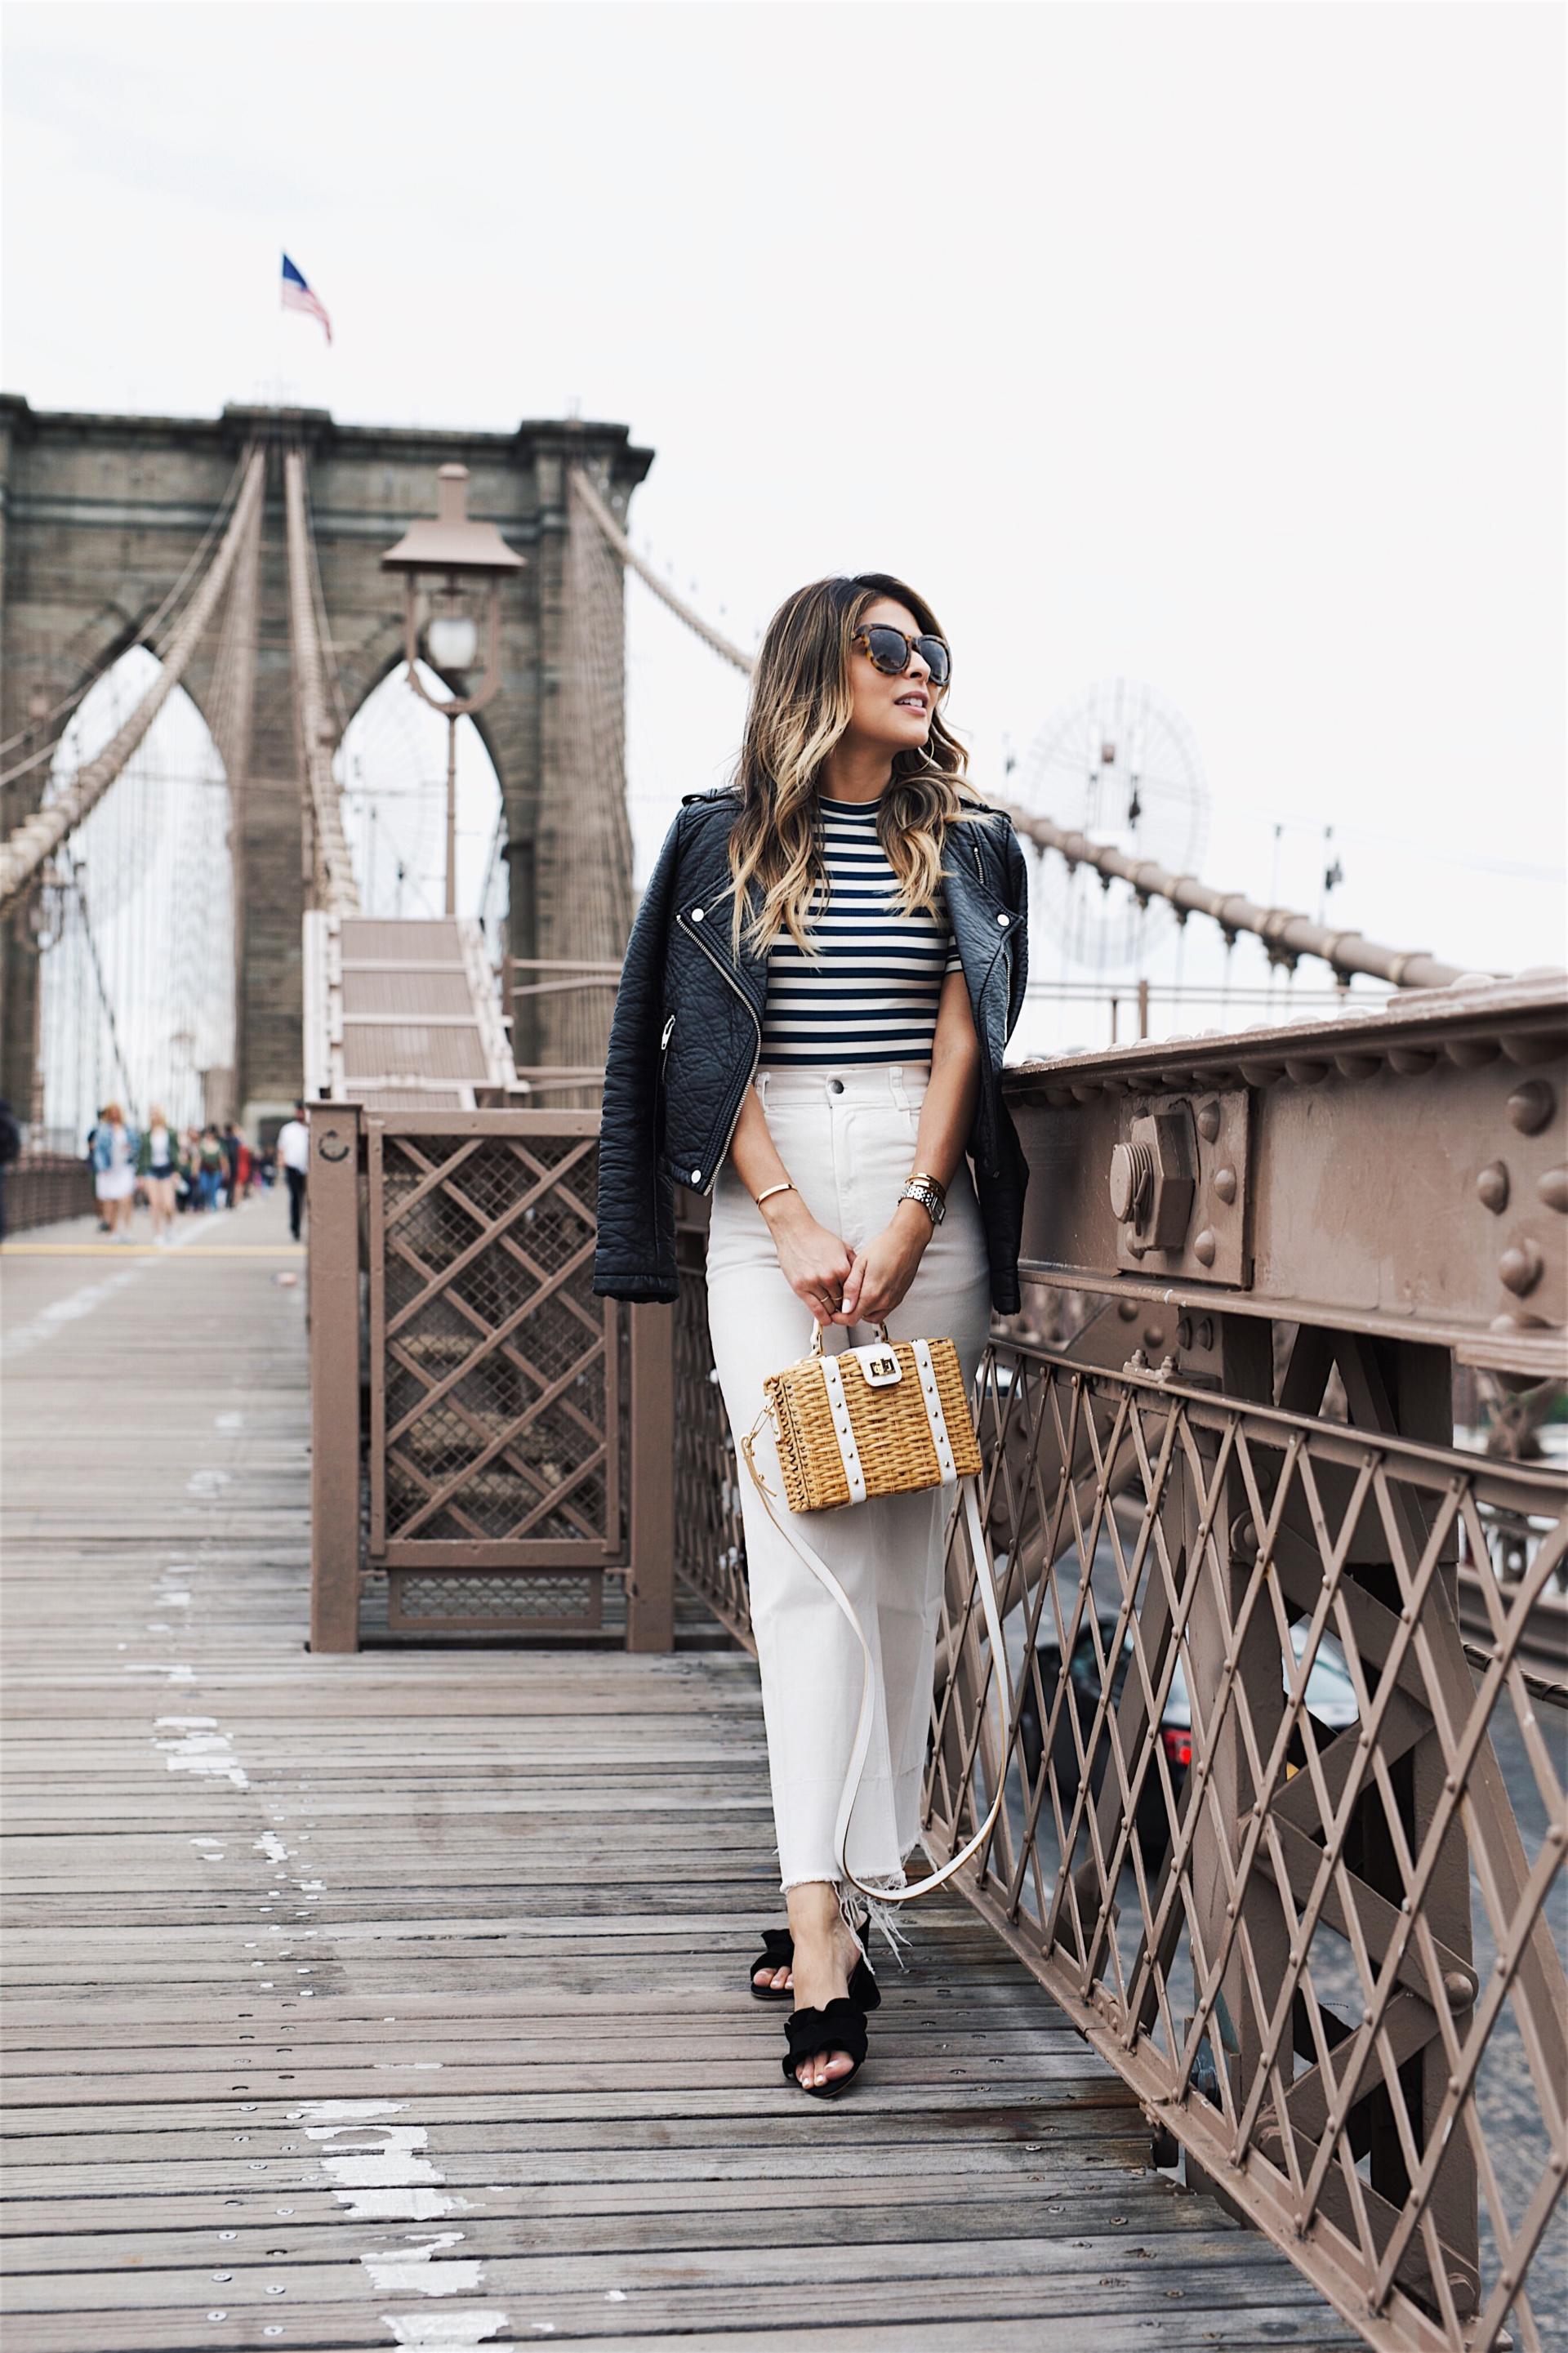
x,y
839,2026
778,1953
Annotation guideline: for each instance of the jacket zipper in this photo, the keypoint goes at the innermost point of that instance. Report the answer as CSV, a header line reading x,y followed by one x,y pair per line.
x,y
756,1051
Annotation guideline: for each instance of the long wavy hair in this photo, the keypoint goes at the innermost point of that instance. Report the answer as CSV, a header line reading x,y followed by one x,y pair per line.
x,y
800,705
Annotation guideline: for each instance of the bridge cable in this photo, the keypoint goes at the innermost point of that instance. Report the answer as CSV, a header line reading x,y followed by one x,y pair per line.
x,y
1286,933
36,839
334,887
106,662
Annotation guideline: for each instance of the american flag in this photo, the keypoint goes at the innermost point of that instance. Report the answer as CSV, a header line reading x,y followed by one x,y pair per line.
x,y
296,296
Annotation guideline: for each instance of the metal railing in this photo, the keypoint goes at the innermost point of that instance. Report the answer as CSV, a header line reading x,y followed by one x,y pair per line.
x,y
1284,1846
42,1188
486,1432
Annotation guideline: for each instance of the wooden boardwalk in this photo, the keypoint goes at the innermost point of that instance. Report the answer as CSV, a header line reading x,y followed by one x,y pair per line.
x,y
399,1999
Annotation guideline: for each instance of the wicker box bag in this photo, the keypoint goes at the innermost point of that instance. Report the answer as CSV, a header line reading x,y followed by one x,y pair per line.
x,y
888,1418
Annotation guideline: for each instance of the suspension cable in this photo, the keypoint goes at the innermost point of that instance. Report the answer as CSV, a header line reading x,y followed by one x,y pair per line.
x,y
103,996
334,880
38,836
1286,933
583,490
101,668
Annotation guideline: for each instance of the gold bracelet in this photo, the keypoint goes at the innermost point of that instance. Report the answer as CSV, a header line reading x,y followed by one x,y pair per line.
x,y
926,1176
769,1191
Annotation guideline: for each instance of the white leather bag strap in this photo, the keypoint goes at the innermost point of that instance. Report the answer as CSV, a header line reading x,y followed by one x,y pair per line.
x,y
861,1748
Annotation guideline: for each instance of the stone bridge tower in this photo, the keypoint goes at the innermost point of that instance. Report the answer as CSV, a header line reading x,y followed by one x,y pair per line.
x,y
99,516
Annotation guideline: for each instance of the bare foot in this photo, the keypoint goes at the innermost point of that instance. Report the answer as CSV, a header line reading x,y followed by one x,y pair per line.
x,y
825,1954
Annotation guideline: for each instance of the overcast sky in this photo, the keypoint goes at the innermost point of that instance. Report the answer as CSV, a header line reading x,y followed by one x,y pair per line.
x,y
1221,347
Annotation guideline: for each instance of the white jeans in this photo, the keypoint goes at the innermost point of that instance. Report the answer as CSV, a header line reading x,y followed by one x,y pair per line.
x,y
846,1135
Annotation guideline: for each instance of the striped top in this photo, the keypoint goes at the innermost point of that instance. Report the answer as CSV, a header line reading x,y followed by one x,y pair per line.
x,y
872,995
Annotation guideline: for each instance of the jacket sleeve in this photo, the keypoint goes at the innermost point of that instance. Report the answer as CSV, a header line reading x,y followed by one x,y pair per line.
x,y
633,1256
1018,900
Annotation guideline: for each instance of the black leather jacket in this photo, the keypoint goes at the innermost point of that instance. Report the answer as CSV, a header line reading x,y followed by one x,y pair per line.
x,y
686,1034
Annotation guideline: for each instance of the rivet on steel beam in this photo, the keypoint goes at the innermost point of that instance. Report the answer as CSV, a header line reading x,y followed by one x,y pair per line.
x,y
1553,1186
1492,1187
1208,1121
1205,1249
1461,1989
1519,1267
1530,1106
1205,1332
1223,1181
1184,1331
1152,1336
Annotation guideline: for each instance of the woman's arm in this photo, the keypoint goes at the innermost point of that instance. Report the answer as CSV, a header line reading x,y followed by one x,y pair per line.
x,y
813,1261
883,1271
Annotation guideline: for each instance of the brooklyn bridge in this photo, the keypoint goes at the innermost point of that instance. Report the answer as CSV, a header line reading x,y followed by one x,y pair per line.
x,y
376,1612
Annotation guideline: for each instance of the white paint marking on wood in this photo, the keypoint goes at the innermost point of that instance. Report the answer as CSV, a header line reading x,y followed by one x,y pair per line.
x,y
448,2332
388,2178
200,1747
48,1320
271,1846
176,1673
230,1421
207,1484
416,2273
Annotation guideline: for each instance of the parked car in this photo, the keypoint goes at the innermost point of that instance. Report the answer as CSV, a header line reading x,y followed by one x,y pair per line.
x,y
1330,1707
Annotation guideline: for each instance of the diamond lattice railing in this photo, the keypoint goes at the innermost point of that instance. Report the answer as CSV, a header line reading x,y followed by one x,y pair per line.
x,y
492,1383
1286,1849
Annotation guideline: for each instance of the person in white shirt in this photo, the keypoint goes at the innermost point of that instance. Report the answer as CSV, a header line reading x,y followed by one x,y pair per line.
x,y
294,1158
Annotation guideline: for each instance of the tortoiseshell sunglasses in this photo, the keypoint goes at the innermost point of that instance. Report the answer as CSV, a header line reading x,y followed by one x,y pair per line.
x,y
890,651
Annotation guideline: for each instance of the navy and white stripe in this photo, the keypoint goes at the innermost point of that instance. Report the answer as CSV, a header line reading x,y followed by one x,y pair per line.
x,y
871,997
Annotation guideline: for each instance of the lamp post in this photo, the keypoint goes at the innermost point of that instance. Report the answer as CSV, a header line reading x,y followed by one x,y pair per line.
x,y
453,567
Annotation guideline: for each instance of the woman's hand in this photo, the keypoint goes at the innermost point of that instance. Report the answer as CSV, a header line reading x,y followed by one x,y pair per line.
x,y
883,1271
815,1263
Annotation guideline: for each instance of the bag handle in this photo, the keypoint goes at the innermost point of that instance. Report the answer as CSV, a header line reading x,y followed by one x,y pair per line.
x,y
852,1780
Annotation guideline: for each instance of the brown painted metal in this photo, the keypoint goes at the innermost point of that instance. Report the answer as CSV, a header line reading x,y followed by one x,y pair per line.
x,y
494,1374
333,1196
1399,1173
42,1188
1274,1948
498,1396
650,1577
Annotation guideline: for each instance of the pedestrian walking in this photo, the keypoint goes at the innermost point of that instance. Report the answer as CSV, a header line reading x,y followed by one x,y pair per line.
x,y
844,1119
115,1146
156,1165
294,1158
232,1148
210,1168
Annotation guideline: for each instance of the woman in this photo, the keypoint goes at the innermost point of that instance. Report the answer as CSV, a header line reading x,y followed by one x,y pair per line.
x,y
825,967
157,1166
114,1151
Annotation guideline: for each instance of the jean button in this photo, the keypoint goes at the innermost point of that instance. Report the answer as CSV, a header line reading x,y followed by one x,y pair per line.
x,y
836,1085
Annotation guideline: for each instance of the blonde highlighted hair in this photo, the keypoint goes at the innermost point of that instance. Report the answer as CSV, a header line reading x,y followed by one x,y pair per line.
x,y
800,705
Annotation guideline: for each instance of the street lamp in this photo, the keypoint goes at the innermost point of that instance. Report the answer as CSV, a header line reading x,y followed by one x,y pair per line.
x,y
457,567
